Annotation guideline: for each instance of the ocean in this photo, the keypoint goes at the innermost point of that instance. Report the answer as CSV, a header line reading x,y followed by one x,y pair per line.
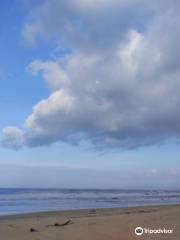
x,y
17,201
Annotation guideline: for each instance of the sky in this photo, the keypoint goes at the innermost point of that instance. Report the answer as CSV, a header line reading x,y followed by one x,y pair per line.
x,y
90,94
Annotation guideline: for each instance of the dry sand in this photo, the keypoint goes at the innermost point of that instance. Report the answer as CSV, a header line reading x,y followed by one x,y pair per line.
x,y
100,224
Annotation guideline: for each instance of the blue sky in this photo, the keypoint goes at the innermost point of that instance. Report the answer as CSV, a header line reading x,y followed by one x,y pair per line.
x,y
89,94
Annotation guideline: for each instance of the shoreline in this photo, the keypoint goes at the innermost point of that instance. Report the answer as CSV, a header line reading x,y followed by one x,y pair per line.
x,y
119,210
88,224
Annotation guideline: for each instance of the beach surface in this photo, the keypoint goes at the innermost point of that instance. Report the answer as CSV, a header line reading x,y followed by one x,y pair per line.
x,y
94,224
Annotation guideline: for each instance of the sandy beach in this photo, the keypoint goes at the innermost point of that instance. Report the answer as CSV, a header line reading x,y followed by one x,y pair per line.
x,y
96,224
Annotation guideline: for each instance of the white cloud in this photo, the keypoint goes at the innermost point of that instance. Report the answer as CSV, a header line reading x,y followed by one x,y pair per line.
x,y
52,72
88,25
45,124
13,138
119,87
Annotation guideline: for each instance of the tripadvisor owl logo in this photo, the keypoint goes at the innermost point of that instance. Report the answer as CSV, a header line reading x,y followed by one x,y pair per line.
x,y
139,231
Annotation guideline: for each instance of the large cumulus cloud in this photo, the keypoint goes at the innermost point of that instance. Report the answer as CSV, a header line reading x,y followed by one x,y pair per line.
x,y
118,85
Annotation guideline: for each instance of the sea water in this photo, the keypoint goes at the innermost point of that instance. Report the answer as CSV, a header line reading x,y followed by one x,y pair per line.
x,y
17,201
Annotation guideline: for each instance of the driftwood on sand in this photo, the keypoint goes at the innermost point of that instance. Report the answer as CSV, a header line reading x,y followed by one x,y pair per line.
x,y
60,224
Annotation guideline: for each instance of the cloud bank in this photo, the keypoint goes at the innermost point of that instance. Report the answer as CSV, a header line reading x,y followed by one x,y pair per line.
x,y
118,85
